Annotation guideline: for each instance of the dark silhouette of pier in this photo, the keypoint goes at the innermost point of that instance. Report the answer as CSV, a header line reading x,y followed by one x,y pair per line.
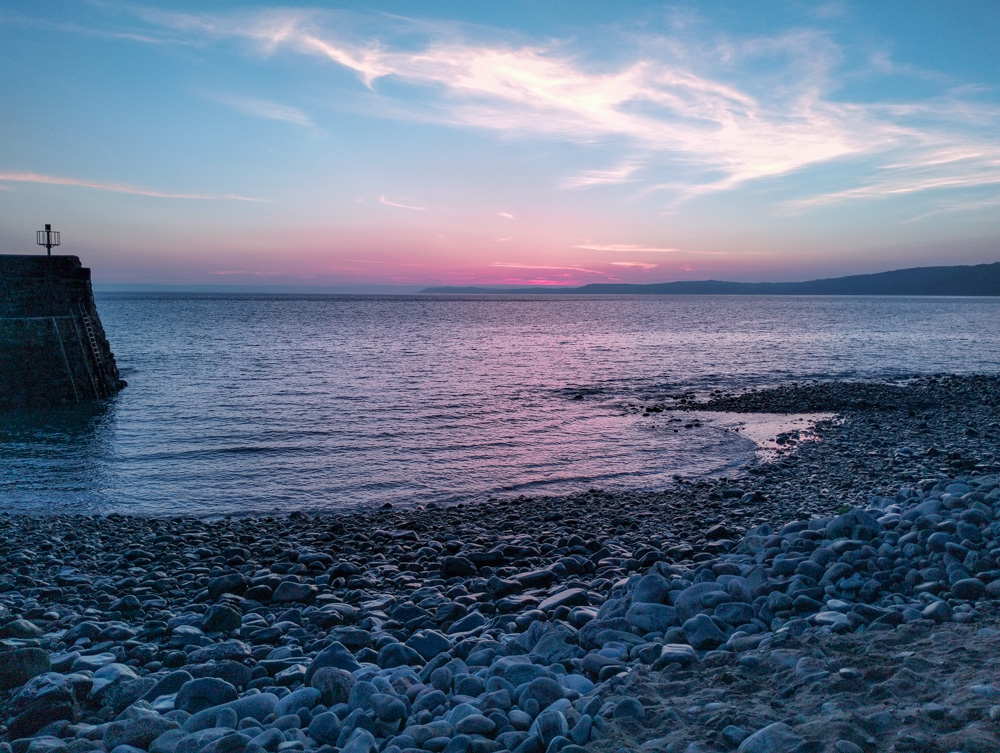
x,y
52,345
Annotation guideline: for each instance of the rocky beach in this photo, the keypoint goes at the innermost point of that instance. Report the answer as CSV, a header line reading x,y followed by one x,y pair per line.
x,y
840,597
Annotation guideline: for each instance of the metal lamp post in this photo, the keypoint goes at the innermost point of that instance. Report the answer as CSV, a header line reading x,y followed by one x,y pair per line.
x,y
47,237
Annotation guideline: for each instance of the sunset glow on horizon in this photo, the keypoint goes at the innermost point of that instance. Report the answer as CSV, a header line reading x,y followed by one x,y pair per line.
x,y
417,143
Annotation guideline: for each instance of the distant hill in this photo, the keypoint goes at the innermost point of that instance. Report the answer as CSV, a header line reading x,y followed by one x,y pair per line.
x,y
980,279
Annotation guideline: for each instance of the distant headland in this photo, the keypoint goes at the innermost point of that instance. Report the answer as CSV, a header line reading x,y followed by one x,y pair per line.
x,y
969,280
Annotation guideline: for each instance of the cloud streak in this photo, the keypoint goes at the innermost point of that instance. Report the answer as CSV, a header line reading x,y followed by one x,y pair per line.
x,y
550,268
24,177
388,203
636,264
590,178
259,108
683,114
630,248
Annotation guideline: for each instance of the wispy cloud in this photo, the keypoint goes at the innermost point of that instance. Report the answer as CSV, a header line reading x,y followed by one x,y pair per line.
x,y
590,178
506,215
259,108
630,247
242,272
550,268
957,207
679,107
388,203
937,168
22,177
636,264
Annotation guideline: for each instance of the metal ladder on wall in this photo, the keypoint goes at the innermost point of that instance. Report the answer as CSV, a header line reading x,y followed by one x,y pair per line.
x,y
100,381
88,328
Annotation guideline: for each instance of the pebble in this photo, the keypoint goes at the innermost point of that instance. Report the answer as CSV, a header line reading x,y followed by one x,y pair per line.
x,y
394,630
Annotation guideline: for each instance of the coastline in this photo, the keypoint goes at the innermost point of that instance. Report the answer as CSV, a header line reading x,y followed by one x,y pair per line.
x,y
258,604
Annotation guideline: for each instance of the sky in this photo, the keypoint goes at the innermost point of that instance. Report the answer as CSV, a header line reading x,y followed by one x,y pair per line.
x,y
409,143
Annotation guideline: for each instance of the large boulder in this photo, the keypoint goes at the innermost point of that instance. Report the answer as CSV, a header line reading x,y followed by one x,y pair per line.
x,y
19,665
288,592
46,698
650,617
233,583
651,589
202,693
335,655
139,732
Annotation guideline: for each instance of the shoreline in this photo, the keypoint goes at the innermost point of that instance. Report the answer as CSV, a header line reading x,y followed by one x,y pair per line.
x,y
253,603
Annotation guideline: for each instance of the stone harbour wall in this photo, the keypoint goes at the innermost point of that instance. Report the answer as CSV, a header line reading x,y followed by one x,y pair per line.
x,y
52,345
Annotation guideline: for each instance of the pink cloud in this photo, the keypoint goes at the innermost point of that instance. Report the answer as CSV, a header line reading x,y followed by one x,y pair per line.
x,y
388,203
21,177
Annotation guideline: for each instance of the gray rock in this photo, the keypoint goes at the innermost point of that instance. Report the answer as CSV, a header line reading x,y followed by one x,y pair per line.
x,y
205,692
549,725
569,597
651,617
361,695
387,708
221,619
517,670
429,643
555,648
128,603
167,742
543,690
117,686
834,620
46,744
702,633
471,621
360,741
227,650
139,732
457,567
676,653
325,728
735,613
691,600
201,740
19,665
774,738
288,592
353,638
335,655
233,583
297,699
20,629
629,709
250,706
269,739
734,735
334,685
168,685
398,655
580,733
43,699
651,589
939,611
92,662
476,724
233,672
968,588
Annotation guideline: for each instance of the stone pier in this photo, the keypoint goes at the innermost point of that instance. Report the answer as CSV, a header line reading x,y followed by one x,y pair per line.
x,y
52,346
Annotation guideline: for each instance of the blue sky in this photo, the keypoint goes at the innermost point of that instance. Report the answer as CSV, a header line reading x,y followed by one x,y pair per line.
x,y
409,143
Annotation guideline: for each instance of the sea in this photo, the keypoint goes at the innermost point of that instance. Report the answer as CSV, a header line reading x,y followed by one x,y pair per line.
x,y
255,404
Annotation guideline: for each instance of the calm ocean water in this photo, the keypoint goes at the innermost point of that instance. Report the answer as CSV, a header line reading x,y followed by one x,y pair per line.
x,y
257,403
